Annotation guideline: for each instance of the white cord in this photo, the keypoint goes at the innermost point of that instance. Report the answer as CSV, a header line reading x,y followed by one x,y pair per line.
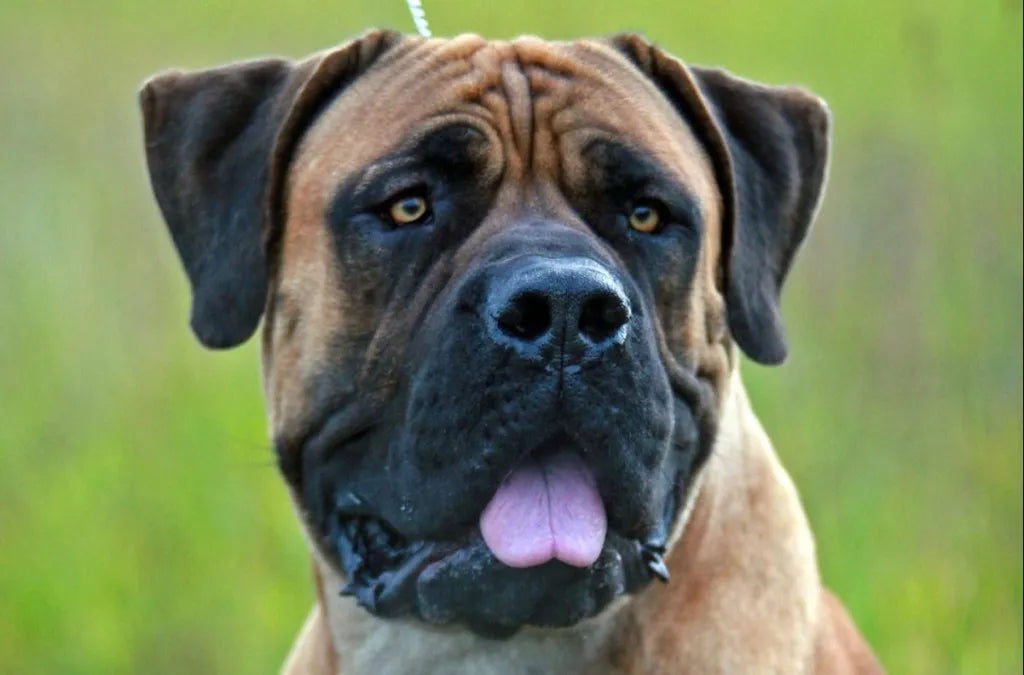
x,y
419,17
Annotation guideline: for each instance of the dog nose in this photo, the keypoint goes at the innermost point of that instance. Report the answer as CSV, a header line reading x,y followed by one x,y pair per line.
x,y
574,303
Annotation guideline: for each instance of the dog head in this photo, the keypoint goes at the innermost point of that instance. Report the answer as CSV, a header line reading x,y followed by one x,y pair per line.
x,y
500,284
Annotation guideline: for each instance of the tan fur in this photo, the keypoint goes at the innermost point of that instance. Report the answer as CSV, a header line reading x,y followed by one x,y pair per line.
x,y
745,595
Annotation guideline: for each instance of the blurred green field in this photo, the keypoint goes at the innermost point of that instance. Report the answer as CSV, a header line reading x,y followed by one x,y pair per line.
x,y
142,525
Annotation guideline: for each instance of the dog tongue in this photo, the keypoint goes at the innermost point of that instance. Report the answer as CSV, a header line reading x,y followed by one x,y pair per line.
x,y
547,508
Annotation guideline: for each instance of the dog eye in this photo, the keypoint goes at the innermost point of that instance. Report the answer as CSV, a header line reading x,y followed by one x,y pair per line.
x,y
408,210
645,216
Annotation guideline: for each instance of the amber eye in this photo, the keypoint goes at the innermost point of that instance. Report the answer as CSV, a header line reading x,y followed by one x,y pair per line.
x,y
408,210
645,217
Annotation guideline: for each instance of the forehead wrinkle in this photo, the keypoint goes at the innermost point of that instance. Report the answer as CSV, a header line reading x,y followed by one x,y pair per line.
x,y
505,94
633,110
411,150
585,85
419,85
376,169
519,105
602,79
419,80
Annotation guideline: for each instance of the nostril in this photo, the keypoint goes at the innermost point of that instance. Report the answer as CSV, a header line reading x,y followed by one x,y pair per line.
x,y
526,317
602,315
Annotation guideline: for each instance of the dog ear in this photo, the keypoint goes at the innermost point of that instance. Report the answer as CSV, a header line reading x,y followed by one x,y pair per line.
x,y
769,147
218,142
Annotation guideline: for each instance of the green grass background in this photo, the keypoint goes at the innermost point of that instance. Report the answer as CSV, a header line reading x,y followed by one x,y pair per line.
x,y
142,525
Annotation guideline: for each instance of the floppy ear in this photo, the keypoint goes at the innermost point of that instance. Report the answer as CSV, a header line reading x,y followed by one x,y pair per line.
x,y
769,148
217,143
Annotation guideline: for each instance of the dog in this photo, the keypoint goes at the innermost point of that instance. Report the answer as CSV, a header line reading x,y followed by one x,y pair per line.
x,y
504,288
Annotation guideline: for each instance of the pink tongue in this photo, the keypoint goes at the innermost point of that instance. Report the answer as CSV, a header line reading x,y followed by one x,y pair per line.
x,y
547,508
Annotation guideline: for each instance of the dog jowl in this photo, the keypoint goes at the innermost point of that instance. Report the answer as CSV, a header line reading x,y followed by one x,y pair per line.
x,y
500,285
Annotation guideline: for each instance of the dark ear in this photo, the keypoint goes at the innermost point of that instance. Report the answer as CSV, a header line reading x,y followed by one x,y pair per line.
x,y
769,147
216,142
778,141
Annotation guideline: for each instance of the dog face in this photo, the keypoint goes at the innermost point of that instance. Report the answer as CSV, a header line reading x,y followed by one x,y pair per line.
x,y
501,283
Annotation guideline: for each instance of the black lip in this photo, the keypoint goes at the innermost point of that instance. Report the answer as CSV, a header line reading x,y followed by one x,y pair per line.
x,y
392,576
337,424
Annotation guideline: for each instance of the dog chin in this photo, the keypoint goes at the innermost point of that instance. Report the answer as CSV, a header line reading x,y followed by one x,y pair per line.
x,y
462,581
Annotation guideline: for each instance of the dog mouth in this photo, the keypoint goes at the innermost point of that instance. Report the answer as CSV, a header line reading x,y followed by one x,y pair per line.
x,y
381,565
541,554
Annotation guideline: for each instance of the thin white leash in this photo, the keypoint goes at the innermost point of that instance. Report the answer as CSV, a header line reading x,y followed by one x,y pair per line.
x,y
419,17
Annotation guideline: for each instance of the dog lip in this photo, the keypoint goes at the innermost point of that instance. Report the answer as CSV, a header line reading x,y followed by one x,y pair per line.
x,y
380,565
383,568
338,426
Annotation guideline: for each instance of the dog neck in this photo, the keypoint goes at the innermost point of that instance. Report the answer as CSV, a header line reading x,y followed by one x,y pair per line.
x,y
742,490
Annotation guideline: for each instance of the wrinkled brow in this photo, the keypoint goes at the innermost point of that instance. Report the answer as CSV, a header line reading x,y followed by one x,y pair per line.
x,y
622,171
452,148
